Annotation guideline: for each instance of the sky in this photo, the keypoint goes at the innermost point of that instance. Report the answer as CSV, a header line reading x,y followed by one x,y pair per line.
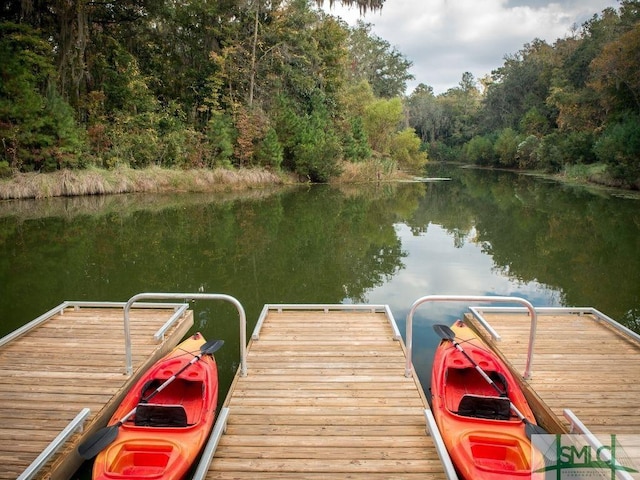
x,y
446,38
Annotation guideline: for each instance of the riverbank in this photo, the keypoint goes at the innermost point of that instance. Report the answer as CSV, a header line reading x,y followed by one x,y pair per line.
x,y
96,181
71,183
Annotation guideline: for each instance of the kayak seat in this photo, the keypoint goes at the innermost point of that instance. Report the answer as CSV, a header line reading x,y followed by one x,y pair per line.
x,y
479,406
160,415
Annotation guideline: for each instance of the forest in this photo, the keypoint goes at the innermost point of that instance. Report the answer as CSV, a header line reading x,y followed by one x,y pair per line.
x,y
284,86
572,107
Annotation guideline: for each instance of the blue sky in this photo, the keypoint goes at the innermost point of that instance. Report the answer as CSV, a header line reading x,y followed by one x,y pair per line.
x,y
445,38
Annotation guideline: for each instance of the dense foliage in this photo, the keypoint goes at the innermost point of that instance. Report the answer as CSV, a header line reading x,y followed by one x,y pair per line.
x,y
573,104
198,83
282,85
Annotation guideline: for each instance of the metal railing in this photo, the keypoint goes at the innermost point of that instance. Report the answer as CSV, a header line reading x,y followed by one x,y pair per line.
x,y
52,448
441,449
577,427
471,298
326,308
34,323
477,311
185,297
178,308
212,445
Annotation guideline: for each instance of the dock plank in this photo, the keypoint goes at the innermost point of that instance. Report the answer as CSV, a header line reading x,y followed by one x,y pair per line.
x,y
50,373
326,397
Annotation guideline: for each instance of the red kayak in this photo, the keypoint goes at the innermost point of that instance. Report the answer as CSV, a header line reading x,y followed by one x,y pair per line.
x,y
486,423
163,422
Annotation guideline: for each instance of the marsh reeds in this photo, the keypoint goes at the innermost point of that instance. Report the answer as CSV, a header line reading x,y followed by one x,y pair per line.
x,y
71,183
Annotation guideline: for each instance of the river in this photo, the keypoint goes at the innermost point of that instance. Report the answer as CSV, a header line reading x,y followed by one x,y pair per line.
x,y
476,232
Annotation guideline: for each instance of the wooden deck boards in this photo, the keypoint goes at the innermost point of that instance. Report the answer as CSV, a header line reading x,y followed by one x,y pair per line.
x,y
326,397
72,361
579,363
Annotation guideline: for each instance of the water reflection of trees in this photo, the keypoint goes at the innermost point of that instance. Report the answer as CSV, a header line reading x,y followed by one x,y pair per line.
x,y
321,245
582,244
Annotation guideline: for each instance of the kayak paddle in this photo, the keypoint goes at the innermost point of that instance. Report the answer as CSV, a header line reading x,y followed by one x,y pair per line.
x,y
103,437
446,333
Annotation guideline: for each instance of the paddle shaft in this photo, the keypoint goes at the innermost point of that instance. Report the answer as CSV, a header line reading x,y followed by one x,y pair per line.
x,y
161,387
488,379
173,377
103,437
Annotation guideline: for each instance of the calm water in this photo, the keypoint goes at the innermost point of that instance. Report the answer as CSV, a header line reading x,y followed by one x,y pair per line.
x,y
479,233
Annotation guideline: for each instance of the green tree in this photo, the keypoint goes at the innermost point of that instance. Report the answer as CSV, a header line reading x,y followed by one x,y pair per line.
x,y
37,126
615,73
376,61
381,121
520,85
317,148
425,113
405,150
506,147
619,148
357,142
269,152
479,150
221,135
461,106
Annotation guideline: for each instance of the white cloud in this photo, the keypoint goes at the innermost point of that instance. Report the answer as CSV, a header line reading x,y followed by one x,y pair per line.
x,y
436,267
445,38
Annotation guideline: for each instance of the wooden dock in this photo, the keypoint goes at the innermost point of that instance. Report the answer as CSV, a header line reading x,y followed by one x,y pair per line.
x,y
325,393
581,362
325,396
73,359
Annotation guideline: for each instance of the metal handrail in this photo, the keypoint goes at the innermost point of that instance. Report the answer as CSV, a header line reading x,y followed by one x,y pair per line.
x,y
53,447
76,305
212,445
563,310
33,323
326,307
441,449
470,298
186,297
592,440
159,335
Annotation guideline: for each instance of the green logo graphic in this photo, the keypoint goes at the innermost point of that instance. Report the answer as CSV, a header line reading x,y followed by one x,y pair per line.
x,y
582,456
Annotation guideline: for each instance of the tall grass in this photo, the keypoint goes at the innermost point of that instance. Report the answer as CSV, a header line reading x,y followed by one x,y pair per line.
x,y
69,183
372,170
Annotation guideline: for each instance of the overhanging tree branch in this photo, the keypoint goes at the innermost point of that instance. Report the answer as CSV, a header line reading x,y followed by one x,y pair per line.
x,y
363,5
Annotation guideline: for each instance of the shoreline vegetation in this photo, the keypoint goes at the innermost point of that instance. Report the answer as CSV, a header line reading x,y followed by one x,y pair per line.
x,y
97,181
94,181
153,180
284,89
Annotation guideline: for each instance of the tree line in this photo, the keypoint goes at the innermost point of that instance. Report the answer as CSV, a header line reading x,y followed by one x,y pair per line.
x,y
277,84
280,84
570,106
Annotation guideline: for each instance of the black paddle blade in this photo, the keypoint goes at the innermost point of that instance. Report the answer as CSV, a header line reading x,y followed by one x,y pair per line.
x,y
545,443
211,347
533,429
98,441
444,332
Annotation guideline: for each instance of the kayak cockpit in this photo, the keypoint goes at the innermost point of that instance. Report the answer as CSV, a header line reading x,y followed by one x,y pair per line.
x,y
160,415
480,406
469,395
503,454
138,461
178,405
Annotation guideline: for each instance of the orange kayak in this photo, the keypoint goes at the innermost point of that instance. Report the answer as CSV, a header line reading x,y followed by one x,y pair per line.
x,y
163,437
484,436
